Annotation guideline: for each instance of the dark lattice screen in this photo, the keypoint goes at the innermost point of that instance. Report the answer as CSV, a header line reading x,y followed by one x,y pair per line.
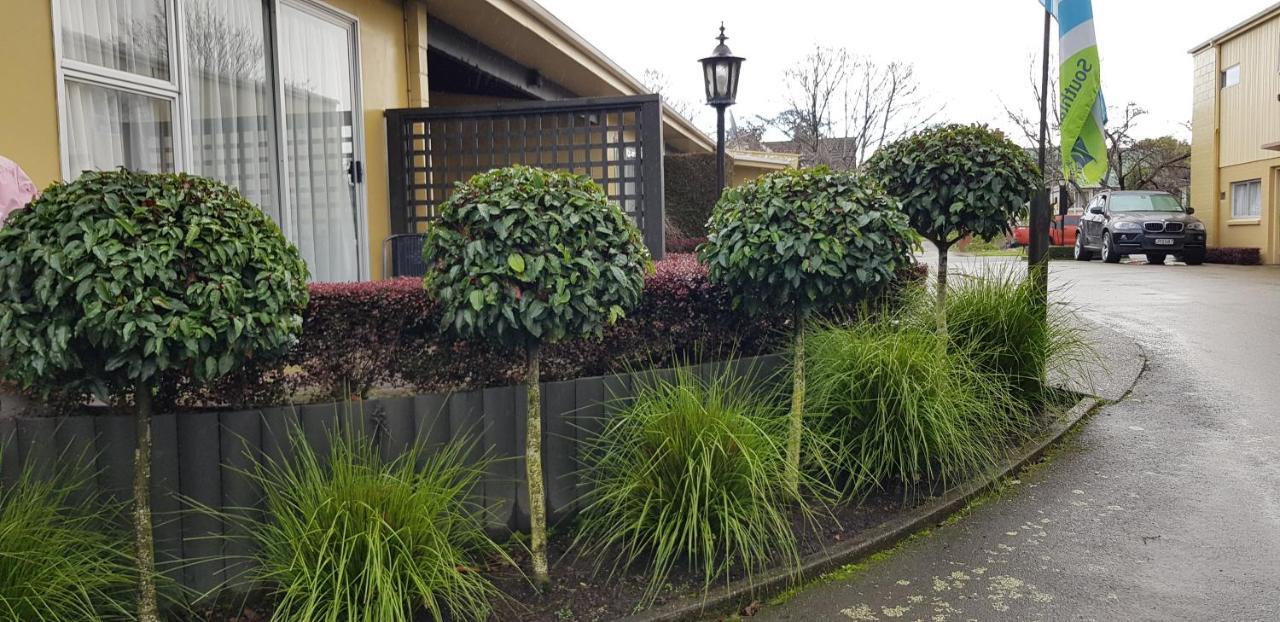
x,y
616,141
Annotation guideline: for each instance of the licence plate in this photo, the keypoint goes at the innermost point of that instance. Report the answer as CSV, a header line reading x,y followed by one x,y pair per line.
x,y
1163,242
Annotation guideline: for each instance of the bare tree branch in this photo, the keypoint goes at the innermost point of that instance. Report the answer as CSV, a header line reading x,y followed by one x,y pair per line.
x,y
656,82
841,108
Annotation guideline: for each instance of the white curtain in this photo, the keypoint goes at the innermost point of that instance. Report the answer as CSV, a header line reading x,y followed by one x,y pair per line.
x,y
107,128
315,65
126,35
233,135
1246,199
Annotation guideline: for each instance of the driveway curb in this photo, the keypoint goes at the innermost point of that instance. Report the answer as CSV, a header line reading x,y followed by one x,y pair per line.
x,y
741,593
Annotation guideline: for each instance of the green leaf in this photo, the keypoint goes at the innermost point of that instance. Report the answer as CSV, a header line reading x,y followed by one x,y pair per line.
x,y
477,299
516,262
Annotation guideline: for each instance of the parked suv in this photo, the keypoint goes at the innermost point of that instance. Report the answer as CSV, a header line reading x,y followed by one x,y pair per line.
x,y
1119,223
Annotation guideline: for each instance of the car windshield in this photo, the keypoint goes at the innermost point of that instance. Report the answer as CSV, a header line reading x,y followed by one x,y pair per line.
x,y
1144,203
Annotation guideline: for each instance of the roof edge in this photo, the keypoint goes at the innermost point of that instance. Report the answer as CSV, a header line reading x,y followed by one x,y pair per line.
x,y
1231,32
553,23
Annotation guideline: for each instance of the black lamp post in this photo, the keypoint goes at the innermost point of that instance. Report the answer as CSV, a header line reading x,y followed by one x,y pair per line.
x,y
720,73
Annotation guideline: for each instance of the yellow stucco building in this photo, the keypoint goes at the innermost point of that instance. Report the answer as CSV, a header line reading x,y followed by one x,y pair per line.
x,y
346,120
1235,145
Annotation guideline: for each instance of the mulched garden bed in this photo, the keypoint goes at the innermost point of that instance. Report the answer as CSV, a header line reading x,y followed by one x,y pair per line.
x,y
578,593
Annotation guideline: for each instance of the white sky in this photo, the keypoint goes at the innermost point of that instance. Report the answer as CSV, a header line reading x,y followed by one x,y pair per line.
x,y
968,55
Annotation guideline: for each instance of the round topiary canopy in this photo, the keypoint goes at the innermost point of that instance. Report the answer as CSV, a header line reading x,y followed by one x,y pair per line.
x,y
957,180
117,276
804,239
525,255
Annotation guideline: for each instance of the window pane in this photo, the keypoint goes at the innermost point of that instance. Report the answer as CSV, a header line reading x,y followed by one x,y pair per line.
x,y
233,130
107,128
128,35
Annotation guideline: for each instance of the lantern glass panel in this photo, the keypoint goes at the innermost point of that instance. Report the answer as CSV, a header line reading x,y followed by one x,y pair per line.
x,y
722,78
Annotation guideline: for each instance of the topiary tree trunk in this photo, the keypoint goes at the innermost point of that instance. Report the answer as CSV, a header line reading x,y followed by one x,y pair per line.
x,y
533,470
943,249
796,432
143,539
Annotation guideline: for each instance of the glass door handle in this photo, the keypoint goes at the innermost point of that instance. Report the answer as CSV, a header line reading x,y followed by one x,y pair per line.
x,y
355,172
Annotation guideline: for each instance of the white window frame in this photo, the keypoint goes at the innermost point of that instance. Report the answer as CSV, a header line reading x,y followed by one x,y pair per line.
x,y
1225,80
67,69
1252,211
175,89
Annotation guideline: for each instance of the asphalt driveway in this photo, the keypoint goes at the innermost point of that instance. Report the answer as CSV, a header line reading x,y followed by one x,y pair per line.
x,y
1166,505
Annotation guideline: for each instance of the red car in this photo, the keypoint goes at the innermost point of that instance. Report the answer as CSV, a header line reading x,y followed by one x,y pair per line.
x,y
1059,235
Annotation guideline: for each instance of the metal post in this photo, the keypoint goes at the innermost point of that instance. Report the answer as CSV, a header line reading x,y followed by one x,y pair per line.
x,y
720,149
1038,251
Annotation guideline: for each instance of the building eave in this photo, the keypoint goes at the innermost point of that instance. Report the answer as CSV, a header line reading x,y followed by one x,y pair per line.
x,y
1242,27
765,159
528,33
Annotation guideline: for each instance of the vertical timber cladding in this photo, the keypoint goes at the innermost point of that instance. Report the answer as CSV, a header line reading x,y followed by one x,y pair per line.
x,y
617,141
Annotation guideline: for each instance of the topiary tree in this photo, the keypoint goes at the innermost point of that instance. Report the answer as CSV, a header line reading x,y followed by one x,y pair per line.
x,y
955,181
525,257
112,279
800,240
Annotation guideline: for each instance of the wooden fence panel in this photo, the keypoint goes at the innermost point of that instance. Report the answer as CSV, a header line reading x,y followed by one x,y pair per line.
x,y
242,495
166,514
396,432
559,448
10,461
499,431
200,483
75,442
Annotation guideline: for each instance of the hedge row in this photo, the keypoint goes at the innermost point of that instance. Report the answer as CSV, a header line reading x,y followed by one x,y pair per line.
x,y
1233,255
385,337
689,181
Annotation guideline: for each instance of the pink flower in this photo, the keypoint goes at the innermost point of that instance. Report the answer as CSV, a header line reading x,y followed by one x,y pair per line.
x,y
16,189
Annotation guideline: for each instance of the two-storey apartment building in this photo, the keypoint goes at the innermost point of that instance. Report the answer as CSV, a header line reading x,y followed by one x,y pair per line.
x,y
1235,148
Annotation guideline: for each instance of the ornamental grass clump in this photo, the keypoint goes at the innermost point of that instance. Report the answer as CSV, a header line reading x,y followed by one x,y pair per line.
x,y
117,278
996,317
61,559
902,409
351,537
800,241
524,257
691,473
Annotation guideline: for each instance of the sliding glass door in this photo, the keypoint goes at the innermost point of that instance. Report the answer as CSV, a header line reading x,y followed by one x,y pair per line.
x,y
317,71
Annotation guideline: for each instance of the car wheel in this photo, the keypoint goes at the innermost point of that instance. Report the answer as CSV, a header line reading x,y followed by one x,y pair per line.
x,y
1193,259
1080,252
1109,253
1156,258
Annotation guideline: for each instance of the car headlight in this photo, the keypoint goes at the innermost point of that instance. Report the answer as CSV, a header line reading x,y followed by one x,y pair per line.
x,y
1125,225
1195,226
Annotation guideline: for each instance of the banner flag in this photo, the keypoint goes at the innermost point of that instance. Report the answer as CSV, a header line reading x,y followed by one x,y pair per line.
x,y
1083,110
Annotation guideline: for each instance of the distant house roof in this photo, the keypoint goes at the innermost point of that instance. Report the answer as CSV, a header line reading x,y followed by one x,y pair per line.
x,y
1247,24
830,149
